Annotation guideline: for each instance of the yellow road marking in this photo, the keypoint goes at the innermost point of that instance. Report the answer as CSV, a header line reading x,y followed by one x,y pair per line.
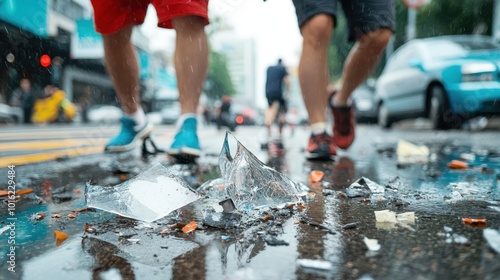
x,y
54,144
25,159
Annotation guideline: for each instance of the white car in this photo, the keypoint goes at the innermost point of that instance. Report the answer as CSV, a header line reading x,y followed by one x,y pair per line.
x,y
104,114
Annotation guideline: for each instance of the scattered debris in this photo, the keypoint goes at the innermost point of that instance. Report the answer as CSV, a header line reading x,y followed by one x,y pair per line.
x,y
273,241
60,237
17,192
227,205
454,237
411,153
222,220
71,216
315,264
350,225
364,187
4,229
385,216
149,196
458,164
372,244
60,198
468,157
56,216
189,227
316,176
475,222
37,216
493,238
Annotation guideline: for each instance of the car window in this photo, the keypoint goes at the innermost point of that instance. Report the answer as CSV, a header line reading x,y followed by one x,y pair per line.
x,y
402,58
445,48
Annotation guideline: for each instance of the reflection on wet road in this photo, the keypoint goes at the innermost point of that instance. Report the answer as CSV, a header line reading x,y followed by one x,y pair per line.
x,y
267,244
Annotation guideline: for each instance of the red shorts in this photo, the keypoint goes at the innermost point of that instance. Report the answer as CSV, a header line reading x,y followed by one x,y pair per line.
x,y
112,15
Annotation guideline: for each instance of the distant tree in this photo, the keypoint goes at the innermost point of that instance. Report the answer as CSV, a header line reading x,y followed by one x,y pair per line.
x,y
219,81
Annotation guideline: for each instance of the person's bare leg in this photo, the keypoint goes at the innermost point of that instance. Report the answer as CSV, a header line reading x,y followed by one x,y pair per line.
x,y
313,67
190,60
361,61
121,62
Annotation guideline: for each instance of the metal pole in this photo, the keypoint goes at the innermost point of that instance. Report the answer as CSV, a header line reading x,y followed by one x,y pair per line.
x,y
411,26
496,21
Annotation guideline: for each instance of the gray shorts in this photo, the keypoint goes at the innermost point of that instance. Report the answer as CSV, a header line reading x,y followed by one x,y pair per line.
x,y
363,16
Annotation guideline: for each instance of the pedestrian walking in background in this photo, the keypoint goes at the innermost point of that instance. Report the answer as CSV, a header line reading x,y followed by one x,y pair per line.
x,y
114,19
277,83
371,24
24,98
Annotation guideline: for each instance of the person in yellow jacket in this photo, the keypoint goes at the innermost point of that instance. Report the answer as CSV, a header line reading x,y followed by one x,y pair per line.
x,y
53,107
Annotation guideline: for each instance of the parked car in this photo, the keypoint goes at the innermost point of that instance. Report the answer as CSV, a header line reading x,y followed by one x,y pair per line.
x,y
104,114
448,79
363,98
170,112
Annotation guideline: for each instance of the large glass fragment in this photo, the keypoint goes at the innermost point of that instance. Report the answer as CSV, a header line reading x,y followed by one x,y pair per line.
x,y
252,184
149,196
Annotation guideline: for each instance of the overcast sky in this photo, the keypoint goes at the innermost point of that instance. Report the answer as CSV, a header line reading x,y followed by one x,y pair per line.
x,y
273,24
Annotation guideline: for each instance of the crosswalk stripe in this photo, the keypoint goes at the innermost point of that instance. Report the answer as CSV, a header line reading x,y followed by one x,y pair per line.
x,y
51,144
32,158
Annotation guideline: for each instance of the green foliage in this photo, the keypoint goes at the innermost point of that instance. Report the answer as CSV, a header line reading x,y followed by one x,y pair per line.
x,y
219,81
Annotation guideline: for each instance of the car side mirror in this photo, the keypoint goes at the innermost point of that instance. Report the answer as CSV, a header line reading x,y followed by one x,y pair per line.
x,y
417,63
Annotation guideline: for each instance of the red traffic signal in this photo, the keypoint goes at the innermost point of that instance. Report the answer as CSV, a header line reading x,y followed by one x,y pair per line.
x,y
45,60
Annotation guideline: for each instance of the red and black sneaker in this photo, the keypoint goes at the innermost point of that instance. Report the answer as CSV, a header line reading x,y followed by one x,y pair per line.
x,y
320,147
344,124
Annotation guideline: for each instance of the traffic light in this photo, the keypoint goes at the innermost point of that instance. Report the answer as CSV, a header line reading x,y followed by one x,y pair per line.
x,y
45,60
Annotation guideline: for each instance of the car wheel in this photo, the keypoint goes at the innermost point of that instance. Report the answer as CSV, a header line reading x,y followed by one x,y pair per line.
x,y
384,121
440,112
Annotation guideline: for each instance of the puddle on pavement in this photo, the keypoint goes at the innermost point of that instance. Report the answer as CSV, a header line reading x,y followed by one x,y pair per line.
x,y
121,246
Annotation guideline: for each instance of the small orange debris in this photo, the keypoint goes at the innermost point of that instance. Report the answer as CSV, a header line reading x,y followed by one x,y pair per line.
x,y
165,231
300,207
26,191
474,221
316,176
123,177
458,164
177,225
266,218
60,237
71,216
78,191
80,210
88,228
189,227
56,216
17,192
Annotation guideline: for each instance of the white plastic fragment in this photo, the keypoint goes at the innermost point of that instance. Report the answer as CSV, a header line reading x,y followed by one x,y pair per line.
x,y
411,153
493,238
149,196
385,216
372,244
315,264
407,217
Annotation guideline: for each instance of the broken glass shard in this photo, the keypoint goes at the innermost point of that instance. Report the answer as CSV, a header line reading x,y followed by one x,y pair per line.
x,y
493,238
364,187
252,184
149,196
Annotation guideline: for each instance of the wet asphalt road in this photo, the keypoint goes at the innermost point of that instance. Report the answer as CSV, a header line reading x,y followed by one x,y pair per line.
x,y
269,243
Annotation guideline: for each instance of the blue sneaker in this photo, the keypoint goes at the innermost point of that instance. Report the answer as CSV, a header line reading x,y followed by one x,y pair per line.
x,y
126,139
186,146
